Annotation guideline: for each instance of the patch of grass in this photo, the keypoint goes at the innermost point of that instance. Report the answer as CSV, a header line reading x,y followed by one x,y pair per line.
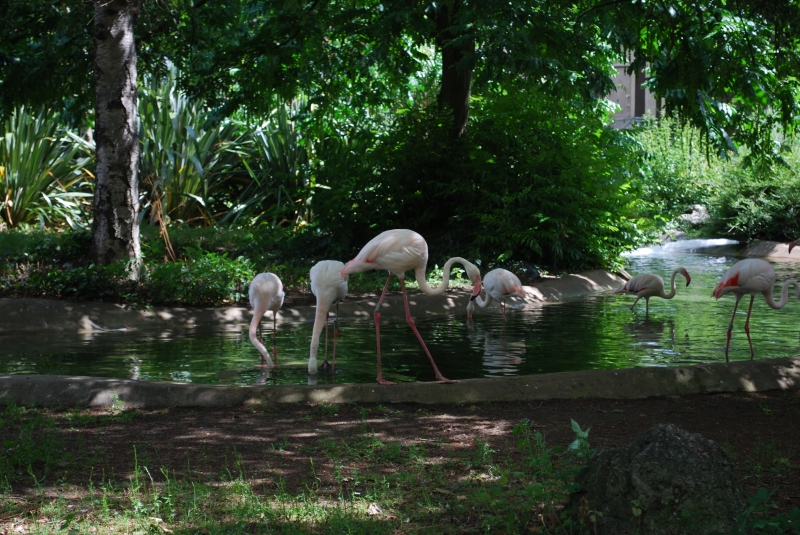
x,y
370,485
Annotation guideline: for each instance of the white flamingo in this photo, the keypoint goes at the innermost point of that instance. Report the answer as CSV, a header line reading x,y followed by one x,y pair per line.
x,y
330,287
500,285
649,285
398,251
266,293
751,276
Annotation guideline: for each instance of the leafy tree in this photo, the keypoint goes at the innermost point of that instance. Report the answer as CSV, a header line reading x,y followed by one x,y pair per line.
x,y
728,66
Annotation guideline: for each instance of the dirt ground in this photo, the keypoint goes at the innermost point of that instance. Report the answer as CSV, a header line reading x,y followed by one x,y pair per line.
x,y
761,431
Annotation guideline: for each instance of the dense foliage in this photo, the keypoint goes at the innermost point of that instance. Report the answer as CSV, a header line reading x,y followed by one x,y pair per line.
x,y
535,180
326,123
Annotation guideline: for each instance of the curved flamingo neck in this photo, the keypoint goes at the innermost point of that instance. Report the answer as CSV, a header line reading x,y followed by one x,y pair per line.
x,y
423,284
784,294
319,323
483,302
673,289
258,313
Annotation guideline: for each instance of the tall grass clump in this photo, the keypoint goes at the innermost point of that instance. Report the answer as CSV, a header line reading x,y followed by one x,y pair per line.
x,y
277,186
44,172
184,161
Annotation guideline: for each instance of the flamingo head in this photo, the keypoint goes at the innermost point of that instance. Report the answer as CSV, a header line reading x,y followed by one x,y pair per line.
x,y
686,275
792,244
474,275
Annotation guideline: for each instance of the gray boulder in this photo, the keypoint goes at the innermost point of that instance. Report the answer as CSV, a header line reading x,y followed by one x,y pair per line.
x,y
667,482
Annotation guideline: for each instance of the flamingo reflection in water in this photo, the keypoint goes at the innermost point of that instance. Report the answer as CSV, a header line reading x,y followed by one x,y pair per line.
x,y
503,351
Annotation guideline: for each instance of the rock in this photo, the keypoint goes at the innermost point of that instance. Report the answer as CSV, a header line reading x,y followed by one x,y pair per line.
x,y
697,216
667,482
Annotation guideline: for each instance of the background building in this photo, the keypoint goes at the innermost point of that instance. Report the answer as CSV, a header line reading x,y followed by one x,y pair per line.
x,y
634,100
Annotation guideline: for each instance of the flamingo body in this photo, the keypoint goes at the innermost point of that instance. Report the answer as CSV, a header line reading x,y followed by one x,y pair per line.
x,y
329,287
266,293
751,276
649,285
501,285
398,251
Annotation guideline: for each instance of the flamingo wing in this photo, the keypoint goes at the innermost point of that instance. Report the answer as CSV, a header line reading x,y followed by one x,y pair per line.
x,y
751,275
397,250
501,283
327,283
646,282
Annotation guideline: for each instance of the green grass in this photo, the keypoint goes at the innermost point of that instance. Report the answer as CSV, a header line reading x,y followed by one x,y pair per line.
x,y
369,485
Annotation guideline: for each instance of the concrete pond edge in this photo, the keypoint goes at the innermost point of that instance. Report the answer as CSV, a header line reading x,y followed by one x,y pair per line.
x,y
631,383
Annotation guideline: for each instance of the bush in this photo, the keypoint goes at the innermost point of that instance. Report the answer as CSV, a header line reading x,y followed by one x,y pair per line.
x,y
535,181
43,172
759,204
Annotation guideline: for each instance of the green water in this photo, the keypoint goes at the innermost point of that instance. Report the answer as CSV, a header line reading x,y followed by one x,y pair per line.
x,y
594,332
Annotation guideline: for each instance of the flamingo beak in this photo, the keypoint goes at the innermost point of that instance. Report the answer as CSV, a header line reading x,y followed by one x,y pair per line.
x,y
688,279
476,288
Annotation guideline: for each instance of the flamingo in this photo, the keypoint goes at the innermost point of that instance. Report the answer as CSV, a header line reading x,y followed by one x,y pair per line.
x,y
792,244
500,285
266,293
649,285
751,276
330,288
398,251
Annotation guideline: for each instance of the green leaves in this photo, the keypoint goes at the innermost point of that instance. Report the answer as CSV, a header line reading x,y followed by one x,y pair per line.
x,y
44,174
184,160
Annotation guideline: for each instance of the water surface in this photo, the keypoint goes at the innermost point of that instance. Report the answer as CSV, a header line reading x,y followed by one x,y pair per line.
x,y
594,332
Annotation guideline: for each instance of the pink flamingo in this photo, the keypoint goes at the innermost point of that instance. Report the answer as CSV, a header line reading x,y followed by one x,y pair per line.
x,y
266,293
751,276
649,285
330,287
500,286
398,251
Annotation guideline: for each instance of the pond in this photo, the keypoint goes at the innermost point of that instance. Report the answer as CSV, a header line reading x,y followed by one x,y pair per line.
x,y
593,332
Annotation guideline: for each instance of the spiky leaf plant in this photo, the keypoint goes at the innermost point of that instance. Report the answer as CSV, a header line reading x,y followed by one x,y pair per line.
x,y
44,174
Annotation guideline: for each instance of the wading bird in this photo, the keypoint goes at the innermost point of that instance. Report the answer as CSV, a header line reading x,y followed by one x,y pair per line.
x,y
398,251
500,285
649,285
792,244
751,276
266,293
330,287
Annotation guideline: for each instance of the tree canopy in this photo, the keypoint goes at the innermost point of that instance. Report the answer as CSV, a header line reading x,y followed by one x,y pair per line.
x,y
727,66
442,116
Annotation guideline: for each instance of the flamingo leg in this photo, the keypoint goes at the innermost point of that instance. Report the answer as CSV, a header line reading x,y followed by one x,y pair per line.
x,y
325,364
260,337
503,310
411,324
335,336
634,303
275,336
377,317
730,327
646,307
747,326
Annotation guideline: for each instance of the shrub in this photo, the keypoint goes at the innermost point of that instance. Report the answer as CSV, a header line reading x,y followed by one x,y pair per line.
x,y
43,172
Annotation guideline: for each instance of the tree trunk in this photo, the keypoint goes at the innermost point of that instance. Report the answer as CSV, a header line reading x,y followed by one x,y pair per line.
x,y
456,81
115,230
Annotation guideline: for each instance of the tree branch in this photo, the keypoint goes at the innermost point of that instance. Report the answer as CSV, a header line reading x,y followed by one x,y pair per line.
x,y
598,6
